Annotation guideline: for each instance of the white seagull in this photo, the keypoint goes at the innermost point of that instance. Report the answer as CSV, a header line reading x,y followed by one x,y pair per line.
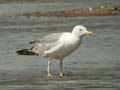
x,y
57,45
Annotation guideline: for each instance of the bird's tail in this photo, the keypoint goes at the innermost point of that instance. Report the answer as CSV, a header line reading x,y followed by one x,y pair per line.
x,y
25,52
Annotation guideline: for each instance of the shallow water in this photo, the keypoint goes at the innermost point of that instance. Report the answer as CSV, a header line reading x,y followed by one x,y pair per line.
x,y
94,66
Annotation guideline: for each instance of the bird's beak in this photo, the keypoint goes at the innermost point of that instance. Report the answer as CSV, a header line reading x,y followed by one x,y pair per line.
x,y
89,33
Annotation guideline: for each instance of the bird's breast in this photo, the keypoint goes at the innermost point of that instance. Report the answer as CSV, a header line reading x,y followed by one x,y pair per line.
x,y
71,42
69,45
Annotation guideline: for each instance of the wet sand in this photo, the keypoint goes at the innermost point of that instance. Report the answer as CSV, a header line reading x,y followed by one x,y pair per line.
x,y
66,8
94,66
98,11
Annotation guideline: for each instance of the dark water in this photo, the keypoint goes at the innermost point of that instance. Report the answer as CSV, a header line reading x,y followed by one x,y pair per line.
x,y
94,66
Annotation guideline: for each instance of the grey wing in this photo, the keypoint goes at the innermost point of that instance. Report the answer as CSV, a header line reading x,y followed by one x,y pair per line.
x,y
45,43
48,38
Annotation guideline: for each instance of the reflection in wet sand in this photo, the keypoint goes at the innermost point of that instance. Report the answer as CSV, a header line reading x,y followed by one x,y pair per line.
x,y
93,66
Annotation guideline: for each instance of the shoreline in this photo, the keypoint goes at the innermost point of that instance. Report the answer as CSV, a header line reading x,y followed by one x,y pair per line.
x,y
99,11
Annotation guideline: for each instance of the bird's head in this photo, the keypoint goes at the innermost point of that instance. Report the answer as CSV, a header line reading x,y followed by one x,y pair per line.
x,y
80,31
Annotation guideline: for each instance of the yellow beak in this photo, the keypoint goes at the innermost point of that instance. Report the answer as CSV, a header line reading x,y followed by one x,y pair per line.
x,y
89,33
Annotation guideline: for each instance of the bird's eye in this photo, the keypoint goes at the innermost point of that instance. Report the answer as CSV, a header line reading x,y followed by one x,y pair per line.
x,y
80,29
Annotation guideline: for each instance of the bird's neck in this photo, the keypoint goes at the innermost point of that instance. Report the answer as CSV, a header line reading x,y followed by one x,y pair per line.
x,y
78,35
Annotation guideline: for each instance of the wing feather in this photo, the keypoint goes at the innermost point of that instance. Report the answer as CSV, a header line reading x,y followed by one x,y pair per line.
x,y
48,38
45,43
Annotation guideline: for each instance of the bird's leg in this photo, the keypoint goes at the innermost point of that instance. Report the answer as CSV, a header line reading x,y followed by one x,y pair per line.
x,y
49,69
61,73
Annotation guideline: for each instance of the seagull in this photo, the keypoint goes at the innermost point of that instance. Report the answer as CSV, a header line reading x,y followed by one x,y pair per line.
x,y
57,46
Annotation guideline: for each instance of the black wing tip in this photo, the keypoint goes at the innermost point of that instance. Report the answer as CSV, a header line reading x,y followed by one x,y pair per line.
x,y
34,41
25,52
31,42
